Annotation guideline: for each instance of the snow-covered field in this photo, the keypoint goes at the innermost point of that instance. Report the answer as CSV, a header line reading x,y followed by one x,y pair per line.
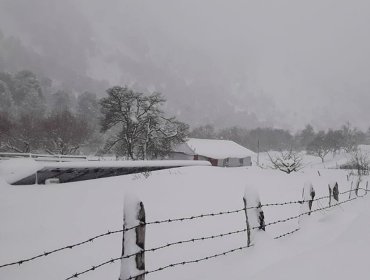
x,y
333,244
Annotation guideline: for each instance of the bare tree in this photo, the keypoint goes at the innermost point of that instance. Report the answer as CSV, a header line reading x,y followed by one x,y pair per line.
x,y
141,129
64,133
24,135
287,161
360,162
319,146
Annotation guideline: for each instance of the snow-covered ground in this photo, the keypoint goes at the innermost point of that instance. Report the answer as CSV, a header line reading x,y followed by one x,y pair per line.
x,y
309,161
330,245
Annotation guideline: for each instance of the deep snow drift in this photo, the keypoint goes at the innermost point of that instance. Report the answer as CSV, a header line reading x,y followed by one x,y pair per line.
x,y
332,244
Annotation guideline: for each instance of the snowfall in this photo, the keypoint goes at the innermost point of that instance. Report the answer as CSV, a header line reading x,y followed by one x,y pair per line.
x,y
331,244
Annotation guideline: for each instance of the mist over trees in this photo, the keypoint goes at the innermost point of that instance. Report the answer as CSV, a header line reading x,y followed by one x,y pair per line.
x,y
34,118
41,118
319,143
39,115
212,68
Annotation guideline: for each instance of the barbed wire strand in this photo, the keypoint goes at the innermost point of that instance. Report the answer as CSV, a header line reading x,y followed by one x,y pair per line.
x,y
91,239
189,262
212,237
156,249
287,233
76,275
322,208
309,212
60,249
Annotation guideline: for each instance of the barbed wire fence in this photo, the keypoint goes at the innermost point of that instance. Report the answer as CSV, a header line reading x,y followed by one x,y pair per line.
x,y
254,216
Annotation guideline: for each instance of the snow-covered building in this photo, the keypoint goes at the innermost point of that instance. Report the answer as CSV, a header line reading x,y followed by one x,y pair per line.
x,y
217,152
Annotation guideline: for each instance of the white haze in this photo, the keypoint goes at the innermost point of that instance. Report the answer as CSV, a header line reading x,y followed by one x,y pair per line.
x,y
279,63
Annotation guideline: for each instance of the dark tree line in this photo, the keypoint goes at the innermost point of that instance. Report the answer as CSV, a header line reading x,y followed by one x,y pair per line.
x,y
319,143
264,139
332,141
38,117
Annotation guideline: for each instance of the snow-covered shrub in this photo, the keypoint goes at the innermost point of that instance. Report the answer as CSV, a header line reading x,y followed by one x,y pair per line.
x,y
286,161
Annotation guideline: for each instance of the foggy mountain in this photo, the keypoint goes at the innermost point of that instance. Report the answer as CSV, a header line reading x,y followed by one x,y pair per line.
x,y
249,63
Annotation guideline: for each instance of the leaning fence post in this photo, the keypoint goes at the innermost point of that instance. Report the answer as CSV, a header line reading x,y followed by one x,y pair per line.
x,y
254,216
333,192
133,242
308,196
336,192
357,187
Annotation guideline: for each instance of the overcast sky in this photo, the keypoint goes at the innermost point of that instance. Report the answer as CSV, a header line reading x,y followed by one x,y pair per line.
x,y
283,63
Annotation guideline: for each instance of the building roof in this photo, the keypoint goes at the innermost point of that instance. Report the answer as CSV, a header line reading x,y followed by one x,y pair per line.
x,y
217,149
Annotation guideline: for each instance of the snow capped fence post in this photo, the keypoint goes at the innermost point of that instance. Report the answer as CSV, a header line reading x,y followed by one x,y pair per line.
x,y
336,192
254,216
357,187
350,191
308,196
133,240
333,192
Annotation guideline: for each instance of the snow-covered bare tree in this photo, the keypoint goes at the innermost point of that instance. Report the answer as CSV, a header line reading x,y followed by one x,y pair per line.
x,y
6,99
360,162
64,133
62,101
25,135
204,132
5,128
24,83
286,161
319,146
141,129
88,110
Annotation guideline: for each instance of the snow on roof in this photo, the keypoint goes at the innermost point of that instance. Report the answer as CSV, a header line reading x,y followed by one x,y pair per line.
x,y
217,149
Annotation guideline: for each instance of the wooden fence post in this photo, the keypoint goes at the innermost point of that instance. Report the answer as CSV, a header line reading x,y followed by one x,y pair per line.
x,y
308,196
350,191
336,192
133,241
333,192
358,182
254,216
